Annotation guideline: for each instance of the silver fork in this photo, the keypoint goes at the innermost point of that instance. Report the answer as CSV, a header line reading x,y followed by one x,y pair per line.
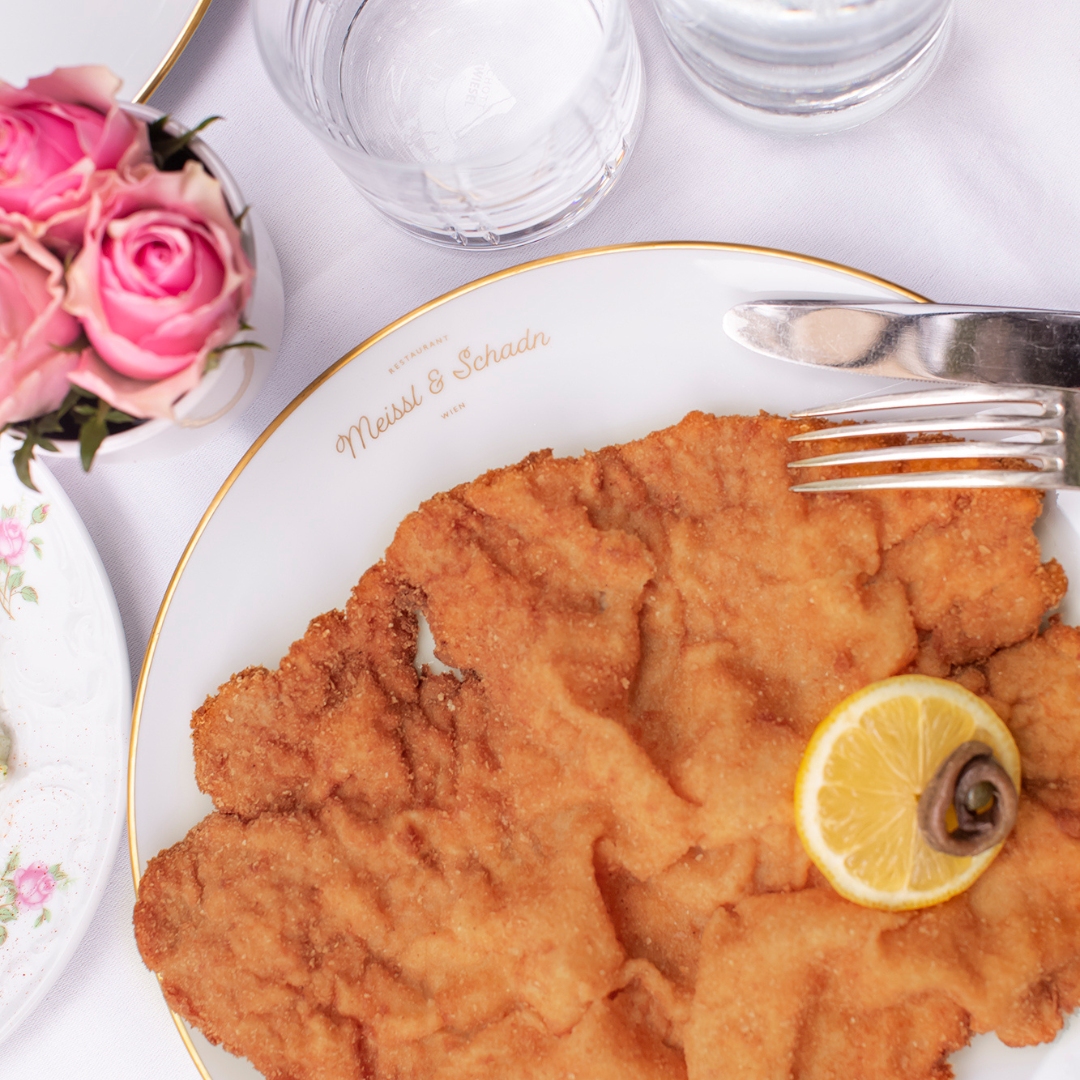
x,y
1047,420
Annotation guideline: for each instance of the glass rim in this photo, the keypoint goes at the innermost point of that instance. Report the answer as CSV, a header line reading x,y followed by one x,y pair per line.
x,y
321,128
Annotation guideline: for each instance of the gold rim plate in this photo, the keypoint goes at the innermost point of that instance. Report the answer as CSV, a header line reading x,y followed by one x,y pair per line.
x,y
329,373
178,46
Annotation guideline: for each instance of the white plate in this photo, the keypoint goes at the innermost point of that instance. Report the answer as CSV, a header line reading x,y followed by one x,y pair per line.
x,y
571,353
139,40
65,696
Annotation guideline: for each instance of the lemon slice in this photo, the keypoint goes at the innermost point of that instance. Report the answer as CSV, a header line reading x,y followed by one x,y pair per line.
x,y
858,787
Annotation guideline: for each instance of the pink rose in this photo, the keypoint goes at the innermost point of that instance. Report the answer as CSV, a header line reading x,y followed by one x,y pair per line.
x,y
33,373
55,135
12,541
160,282
34,884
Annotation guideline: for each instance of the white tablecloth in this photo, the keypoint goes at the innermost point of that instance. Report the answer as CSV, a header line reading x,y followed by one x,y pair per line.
x,y
968,192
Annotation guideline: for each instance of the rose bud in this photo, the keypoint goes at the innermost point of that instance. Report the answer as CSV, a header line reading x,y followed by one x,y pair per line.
x,y
159,284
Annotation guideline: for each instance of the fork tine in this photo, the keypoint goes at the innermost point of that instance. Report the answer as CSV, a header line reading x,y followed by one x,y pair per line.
x,y
1029,425
967,478
951,395
933,451
1041,438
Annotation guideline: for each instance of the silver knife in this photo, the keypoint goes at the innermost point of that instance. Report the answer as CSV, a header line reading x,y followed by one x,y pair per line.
x,y
943,342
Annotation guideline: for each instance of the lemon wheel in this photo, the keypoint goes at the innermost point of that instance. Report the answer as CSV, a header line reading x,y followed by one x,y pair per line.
x,y
858,789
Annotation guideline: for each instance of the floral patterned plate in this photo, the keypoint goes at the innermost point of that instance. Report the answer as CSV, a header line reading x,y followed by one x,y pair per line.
x,y
65,693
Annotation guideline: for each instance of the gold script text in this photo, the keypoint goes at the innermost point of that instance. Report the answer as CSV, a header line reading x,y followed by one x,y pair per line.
x,y
366,430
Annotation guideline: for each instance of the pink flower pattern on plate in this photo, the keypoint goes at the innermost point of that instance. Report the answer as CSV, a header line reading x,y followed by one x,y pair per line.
x,y
28,888
33,885
15,544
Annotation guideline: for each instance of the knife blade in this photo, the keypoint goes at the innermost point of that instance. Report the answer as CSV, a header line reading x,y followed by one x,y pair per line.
x,y
941,342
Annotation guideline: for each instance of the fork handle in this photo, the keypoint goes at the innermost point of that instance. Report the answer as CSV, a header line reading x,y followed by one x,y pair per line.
x,y
949,342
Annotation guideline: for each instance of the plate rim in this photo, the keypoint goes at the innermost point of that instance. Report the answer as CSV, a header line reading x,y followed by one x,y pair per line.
x,y
325,376
170,58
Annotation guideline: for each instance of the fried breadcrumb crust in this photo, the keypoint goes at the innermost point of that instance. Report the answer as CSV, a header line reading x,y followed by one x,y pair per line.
x,y
577,857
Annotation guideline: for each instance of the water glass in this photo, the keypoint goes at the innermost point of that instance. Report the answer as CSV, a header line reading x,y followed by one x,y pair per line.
x,y
806,65
475,123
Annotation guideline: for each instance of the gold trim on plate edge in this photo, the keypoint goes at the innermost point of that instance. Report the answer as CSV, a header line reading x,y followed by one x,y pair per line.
x,y
155,633
178,47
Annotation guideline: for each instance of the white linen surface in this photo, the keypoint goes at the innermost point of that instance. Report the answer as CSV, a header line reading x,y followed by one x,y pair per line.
x,y
967,192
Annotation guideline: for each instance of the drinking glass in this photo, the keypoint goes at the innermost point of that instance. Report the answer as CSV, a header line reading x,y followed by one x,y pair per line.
x,y
468,122
806,65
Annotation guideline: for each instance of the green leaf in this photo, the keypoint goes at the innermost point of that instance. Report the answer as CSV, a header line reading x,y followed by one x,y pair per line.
x,y
3,934
79,409
8,893
34,435
74,395
15,580
240,345
213,357
91,435
54,870
12,863
22,458
35,543
3,564
156,130
41,918
8,913
29,594
166,146
6,512
40,513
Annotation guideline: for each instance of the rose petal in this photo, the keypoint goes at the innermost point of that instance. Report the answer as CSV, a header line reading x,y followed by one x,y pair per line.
x,y
135,397
55,134
87,84
33,328
137,324
159,263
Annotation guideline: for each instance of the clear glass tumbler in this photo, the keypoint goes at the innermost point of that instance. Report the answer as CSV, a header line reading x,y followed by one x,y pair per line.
x,y
473,123
806,65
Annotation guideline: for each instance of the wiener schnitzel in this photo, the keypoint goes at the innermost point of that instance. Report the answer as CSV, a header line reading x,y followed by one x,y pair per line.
x,y
576,855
